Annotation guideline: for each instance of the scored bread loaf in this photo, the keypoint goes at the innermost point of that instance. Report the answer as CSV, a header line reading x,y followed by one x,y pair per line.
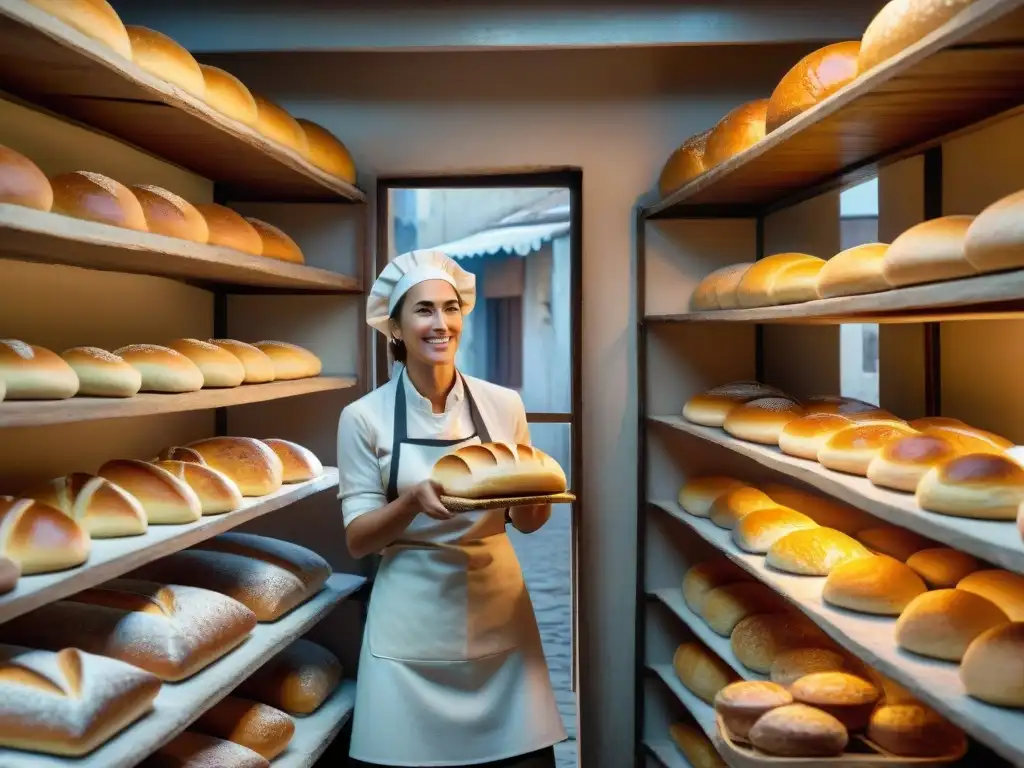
x,y
164,58
701,671
742,704
854,271
299,463
695,746
761,637
35,373
739,130
684,164
796,283
217,492
914,730
1003,588
219,367
993,666
170,215
877,584
327,152
814,551
797,730
977,485
851,449
103,509
711,574
275,123
228,95
162,369
942,623
729,508
290,361
102,374
261,728
191,749
498,469
167,500
706,295
229,229
259,369
930,251
756,532
995,240
296,680
277,244
761,420
68,702
697,495
22,182
900,24
848,698
811,80
39,538
898,543
725,607
95,197
945,568
10,572
93,18
753,289
250,463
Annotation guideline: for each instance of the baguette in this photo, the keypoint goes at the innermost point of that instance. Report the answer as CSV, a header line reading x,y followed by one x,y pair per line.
x,y
39,538
498,469
296,680
104,509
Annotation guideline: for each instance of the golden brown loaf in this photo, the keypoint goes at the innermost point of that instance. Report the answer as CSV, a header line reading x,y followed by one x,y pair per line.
x,y
277,244
697,495
902,23
926,422
259,369
10,572
851,450
995,240
684,164
942,623
197,750
914,730
901,463
814,552
740,129
276,124
39,538
68,702
101,373
169,214
167,499
695,746
498,469
710,291
290,360
993,666
822,510
219,367
929,251
256,726
761,637
728,508
163,369
35,373
970,439
985,486
95,197
754,287
228,95
898,543
796,282
757,531
797,730
216,491
877,584
727,286
308,568
298,462
711,574
741,704
805,436
854,271
846,697
250,463
1003,588
812,80
942,567
761,420
725,607
93,18
297,679
327,152
103,509
162,57
229,229
701,671
791,665
22,183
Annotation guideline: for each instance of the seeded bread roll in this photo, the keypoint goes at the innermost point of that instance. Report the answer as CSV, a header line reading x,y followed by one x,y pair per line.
x,y
709,575
219,367
898,543
259,368
228,95
290,360
942,623
95,197
102,374
701,671
797,730
761,420
757,531
35,373
276,124
930,251
742,704
498,469
814,552
22,182
984,486
299,463
876,584
914,730
162,57
697,495
900,24
169,214
993,666
760,638
851,449
793,664
822,510
730,507
706,296
755,287
848,698
103,509
854,271
1002,588
711,408
216,491
684,164
93,18
796,283
277,244
327,152
197,750
250,463
943,568
725,607
739,130
695,746
811,80
264,730
163,369
229,229
166,499
296,680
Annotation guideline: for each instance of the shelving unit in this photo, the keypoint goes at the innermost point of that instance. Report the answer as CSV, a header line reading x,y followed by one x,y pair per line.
x,y
315,732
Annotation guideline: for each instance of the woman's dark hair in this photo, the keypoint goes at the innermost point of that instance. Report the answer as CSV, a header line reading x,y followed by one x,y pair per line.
x,y
396,346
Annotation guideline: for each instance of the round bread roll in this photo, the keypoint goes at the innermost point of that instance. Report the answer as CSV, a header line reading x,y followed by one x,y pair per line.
x,y
180,453
697,495
914,730
725,607
167,499
814,552
728,508
728,284
792,664
102,508
102,374
875,584
848,698
276,244
228,95
942,567
902,463
275,123
898,543
805,436
259,368
299,463
162,369
30,372
761,637
854,271
710,408
930,251
942,623
709,575
761,420
1002,588
217,493
926,422
95,197
851,449
701,671
984,486
290,360
753,289
741,704
39,538
796,283
695,746
837,404
797,730
993,666
229,229
971,439
93,18
995,240
812,80
162,57
900,24
739,130
706,295
220,368
757,531
824,511
684,164
263,729
327,152
168,214
250,463
22,183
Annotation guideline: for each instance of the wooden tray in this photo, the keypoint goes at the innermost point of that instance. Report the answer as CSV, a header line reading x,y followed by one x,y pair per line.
x,y
861,753
458,504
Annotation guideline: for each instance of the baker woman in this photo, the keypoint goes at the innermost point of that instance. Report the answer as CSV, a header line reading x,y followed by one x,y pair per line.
x,y
452,672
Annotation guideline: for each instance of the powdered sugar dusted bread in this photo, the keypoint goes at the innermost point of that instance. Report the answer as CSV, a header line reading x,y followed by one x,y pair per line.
x,y
35,373
104,509
250,463
259,368
762,420
166,498
216,491
300,464
290,361
197,750
297,679
498,469
39,538
101,373
711,408
306,565
259,727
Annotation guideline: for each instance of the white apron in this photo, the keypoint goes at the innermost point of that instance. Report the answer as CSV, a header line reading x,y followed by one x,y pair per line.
x,y
452,671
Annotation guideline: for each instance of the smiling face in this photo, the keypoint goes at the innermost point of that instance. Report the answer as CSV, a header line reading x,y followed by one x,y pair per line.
x,y
430,323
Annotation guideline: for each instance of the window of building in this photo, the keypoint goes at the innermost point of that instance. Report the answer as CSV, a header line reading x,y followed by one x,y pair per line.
x,y
505,341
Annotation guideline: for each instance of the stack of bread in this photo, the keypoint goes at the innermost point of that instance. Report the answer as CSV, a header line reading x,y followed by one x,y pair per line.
x,y
162,58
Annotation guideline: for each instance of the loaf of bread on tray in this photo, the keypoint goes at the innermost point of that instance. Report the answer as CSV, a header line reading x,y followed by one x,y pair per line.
x,y
104,509
39,538
327,152
228,95
93,18
684,164
101,373
297,680
166,59
259,368
22,182
498,469
35,373
167,500
259,727
250,463
197,750
68,702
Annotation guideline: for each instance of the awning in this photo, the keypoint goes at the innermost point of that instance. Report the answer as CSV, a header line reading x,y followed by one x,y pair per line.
x,y
521,240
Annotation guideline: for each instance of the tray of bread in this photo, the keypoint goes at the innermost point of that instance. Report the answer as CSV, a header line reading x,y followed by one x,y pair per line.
x,y
496,475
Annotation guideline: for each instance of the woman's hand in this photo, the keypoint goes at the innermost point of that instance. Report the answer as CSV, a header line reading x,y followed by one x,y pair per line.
x,y
427,498
531,518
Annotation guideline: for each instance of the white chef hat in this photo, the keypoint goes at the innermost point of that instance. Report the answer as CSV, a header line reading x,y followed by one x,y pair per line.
x,y
409,269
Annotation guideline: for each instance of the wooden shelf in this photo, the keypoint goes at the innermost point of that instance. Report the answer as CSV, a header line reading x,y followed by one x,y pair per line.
x,y
48,62
993,540
314,733
51,238
111,558
997,295
966,71
39,413
665,752
870,638
703,713
179,704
